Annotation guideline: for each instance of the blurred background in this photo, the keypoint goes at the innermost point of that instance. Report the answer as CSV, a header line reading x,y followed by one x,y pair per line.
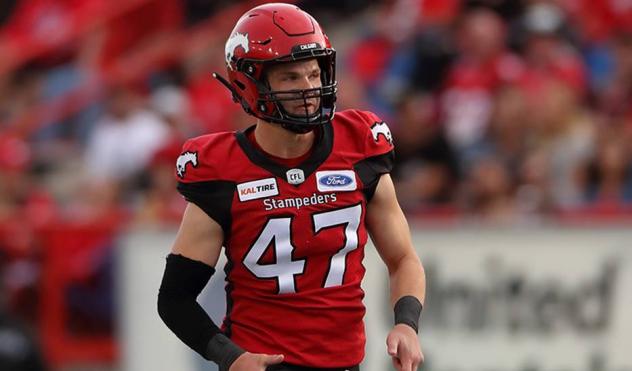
x,y
512,121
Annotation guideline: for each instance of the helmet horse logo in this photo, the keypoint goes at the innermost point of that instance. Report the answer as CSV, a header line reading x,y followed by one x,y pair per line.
x,y
236,40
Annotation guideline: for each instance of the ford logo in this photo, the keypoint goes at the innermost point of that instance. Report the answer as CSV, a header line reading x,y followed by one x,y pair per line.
x,y
335,180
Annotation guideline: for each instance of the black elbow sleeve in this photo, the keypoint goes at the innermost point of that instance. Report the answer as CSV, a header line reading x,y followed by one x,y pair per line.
x,y
182,282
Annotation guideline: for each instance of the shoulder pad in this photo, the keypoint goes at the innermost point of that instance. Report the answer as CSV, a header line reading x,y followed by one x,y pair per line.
x,y
201,157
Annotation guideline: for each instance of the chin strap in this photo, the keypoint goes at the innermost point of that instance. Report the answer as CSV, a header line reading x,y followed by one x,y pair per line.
x,y
299,129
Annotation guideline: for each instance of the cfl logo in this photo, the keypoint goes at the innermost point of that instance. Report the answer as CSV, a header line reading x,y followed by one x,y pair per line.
x,y
295,176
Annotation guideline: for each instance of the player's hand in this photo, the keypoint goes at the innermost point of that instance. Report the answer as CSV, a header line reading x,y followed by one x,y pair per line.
x,y
403,347
255,362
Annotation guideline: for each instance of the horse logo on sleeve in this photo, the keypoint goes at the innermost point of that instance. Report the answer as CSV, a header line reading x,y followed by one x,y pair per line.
x,y
380,128
183,160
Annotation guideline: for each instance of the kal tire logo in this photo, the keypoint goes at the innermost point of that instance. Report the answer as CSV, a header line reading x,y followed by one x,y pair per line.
x,y
257,189
337,180
380,128
184,159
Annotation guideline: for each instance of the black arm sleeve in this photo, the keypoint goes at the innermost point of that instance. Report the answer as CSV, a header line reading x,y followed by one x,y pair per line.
x,y
182,282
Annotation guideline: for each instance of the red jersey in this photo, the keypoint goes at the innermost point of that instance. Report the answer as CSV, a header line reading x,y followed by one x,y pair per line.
x,y
294,237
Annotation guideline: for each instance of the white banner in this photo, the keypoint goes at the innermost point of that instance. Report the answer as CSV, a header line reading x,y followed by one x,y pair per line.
x,y
514,300
523,300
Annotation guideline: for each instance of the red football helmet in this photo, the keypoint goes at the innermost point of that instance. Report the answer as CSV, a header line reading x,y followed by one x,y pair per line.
x,y
278,33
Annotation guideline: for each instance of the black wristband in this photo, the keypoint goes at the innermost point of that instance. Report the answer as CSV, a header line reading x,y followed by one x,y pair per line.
x,y
223,351
407,311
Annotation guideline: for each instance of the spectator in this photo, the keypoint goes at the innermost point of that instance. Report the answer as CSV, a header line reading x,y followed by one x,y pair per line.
x,y
608,174
488,191
616,95
160,203
565,132
509,138
509,126
19,350
549,50
482,65
426,167
125,139
20,93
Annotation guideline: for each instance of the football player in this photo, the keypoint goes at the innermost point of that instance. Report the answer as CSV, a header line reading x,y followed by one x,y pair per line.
x,y
292,200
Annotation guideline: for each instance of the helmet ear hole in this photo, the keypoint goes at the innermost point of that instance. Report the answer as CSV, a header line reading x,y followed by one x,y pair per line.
x,y
249,69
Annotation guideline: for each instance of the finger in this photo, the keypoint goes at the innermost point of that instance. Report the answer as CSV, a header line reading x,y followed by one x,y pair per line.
x,y
272,359
391,346
405,359
396,363
418,361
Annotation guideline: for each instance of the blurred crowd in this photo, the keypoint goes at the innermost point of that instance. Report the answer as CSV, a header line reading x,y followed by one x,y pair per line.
x,y
501,110
506,111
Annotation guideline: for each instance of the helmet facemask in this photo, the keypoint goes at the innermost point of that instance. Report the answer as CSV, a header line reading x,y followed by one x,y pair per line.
x,y
270,106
